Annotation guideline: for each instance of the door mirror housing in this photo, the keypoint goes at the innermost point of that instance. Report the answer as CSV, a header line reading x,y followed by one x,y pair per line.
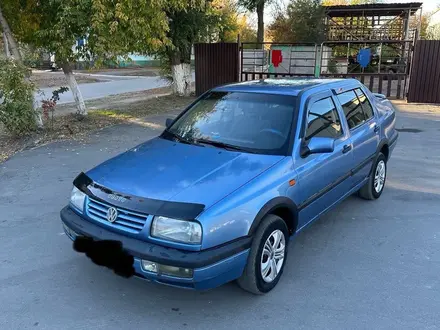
x,y
317,145
379,96
168,122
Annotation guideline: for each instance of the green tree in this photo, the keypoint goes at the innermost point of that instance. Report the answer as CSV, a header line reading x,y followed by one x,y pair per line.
x,y
230,23
16,98
258,7
109,29
302,22
227,27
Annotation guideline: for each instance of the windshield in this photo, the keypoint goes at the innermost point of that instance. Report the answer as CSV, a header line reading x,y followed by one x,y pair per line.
x,y
250,122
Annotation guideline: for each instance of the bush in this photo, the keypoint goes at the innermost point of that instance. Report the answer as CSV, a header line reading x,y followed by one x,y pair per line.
x,y
17,113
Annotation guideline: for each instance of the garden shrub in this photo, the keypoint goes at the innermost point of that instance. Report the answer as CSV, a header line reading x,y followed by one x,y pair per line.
x,y
17,112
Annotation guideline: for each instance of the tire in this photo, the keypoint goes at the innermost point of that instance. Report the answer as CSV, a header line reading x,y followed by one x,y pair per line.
x,y
369,191
252,278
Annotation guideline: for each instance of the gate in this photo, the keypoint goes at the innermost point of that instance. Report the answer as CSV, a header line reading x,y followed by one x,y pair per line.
x,y
424,85
215,64
386,71
264,60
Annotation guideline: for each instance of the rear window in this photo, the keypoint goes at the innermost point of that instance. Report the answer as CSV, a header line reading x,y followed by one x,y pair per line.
x,y
352,109
366,105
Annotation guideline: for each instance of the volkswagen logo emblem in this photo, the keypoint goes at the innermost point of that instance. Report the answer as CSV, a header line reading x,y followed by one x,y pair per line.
x,y
112,214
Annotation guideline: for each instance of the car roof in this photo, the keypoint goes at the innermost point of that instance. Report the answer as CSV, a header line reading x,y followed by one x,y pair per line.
x,y
285,86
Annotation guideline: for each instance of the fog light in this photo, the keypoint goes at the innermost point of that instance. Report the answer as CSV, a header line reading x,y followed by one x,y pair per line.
x,y
69,232
149,266
154,267
175,271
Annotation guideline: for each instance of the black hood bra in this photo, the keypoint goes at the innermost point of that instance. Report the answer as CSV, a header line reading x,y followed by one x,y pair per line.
x,y
176,210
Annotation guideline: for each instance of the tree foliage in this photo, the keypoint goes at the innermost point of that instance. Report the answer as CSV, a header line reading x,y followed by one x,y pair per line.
x,y
16,100
348,2
258,7
302,22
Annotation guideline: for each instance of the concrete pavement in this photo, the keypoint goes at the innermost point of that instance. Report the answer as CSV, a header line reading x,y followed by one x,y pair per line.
x,y
97,90
114,85
365,265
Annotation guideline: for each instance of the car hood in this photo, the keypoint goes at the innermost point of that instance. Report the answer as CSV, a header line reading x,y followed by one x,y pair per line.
x,y
167,170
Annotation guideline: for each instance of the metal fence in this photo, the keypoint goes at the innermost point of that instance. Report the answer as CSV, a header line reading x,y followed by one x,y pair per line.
x,y
215,64
424,83
386,72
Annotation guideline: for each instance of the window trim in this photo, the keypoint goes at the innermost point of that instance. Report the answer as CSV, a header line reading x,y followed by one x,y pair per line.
x,y
310,102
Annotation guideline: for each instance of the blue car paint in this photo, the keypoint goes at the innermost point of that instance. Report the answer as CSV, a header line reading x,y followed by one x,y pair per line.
x,y
167,170
204,278
235,186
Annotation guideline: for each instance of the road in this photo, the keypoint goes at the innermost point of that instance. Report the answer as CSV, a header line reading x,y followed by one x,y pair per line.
x,y
118,85
365,265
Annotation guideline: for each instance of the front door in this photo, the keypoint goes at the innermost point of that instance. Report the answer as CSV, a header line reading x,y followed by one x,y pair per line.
x,y
323,178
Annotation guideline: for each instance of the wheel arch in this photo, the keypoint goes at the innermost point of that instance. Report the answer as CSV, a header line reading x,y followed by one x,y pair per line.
x,y
383,146
283,207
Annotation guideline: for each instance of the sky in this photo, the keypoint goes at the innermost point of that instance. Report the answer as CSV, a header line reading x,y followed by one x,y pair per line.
x,y
428,5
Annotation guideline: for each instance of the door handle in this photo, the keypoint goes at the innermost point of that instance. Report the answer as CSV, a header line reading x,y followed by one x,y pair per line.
x,y
376,129
346,148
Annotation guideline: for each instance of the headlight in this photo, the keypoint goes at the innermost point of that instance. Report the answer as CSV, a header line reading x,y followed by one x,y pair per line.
x,y
177,230
77,198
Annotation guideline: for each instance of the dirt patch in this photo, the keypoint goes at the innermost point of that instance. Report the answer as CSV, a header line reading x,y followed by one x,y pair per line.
x,y
106,113
57,79
417,108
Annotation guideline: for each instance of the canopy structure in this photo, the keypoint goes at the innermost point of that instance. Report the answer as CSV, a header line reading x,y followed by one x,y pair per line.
x,y
382,21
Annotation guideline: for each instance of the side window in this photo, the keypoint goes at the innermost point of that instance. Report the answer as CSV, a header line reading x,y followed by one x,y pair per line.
x,y
352,108
323,120
366,105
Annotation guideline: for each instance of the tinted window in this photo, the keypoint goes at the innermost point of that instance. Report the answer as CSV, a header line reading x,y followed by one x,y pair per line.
x,y
366,105
323,120
352,108
254,122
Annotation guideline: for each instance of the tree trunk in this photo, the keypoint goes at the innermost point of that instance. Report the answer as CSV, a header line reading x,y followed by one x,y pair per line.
x,y
7,31
6,45
260,16
77,96
181,73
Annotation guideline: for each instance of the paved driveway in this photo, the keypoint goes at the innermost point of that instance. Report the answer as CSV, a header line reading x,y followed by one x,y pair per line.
x,y
366,265
97,90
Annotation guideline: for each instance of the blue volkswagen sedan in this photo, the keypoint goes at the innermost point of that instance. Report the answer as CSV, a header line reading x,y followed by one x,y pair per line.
x,y
219,194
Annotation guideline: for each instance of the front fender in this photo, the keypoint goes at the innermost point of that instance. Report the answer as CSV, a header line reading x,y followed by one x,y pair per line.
x,y
271,206
238,214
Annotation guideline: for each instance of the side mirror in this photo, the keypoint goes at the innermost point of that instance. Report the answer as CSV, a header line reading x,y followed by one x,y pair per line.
x,y
318,145
379,96
168,122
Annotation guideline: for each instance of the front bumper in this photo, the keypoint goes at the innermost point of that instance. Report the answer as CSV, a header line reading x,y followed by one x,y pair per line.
x,y
212,267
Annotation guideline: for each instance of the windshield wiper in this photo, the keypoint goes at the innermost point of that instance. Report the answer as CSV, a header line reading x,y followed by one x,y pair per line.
x,y
178,137
223,145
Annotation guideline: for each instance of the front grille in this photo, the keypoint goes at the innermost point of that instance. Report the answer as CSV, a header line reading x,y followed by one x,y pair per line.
x,y
127,220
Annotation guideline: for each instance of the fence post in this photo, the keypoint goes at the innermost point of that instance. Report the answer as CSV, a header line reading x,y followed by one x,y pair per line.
x,y
240,58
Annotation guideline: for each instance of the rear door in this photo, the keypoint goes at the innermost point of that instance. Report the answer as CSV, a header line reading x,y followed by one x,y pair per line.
x,y
324,177
364,130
